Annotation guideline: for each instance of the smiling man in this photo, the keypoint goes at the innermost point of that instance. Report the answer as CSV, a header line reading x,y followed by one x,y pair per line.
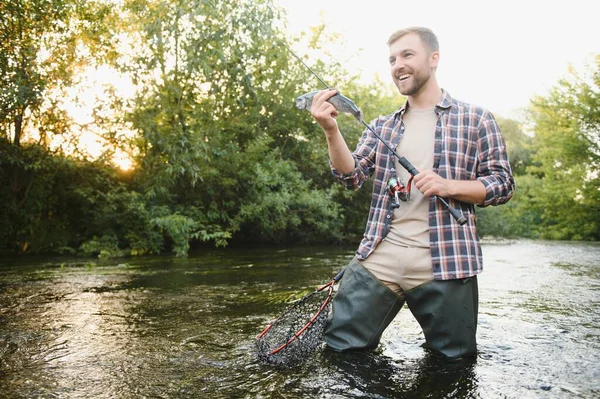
x,y
416,252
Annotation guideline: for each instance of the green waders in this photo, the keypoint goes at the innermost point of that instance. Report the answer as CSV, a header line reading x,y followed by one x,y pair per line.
x,y
363,307
447,313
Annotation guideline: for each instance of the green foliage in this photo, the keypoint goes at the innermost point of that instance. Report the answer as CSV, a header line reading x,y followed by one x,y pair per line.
x,y
278,203
55,204
566,157
180,229
518,145
222,155
101,247
219,133
557,170
41,48
518,218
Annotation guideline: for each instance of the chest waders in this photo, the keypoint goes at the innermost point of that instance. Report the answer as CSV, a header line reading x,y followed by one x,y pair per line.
x,y
363,307
361,310
447,313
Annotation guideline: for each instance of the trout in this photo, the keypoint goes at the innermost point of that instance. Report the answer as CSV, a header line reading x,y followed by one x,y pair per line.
x,y
341,103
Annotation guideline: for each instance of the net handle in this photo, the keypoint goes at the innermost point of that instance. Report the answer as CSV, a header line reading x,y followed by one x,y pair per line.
x,y
339,276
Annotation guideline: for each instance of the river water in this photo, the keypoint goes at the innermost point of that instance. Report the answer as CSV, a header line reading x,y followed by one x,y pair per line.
x,y
162,327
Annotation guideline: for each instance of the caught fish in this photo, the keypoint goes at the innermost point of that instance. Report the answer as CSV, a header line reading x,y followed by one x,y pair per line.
x,y
341,103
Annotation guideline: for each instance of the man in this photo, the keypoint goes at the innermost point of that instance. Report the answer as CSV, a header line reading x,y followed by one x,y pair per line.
x,y
417,253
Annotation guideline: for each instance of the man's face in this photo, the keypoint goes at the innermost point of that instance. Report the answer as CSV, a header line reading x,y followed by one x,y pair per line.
x,y
411,64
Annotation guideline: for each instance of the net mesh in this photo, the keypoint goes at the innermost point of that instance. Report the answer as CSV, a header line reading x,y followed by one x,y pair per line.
x,y
289,324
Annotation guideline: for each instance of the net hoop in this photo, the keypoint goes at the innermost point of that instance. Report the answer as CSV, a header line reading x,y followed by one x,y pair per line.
x,y
328,286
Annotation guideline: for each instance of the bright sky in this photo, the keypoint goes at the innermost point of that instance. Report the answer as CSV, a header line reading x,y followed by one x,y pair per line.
x,y
497,54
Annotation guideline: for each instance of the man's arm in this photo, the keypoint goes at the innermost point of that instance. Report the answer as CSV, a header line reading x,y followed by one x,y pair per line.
x,y
325,114
430,183
494,184
494,170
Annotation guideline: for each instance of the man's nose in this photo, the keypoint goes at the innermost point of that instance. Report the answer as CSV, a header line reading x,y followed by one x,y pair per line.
x,y
398,65
396,70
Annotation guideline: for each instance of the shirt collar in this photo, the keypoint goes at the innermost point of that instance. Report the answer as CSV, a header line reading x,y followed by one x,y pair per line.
x,y
444,103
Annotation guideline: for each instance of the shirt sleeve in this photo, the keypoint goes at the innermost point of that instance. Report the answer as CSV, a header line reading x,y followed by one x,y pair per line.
x,y
494,169
364,162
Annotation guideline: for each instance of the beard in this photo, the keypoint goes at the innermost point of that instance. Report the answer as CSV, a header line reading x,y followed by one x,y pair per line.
x,y
417,81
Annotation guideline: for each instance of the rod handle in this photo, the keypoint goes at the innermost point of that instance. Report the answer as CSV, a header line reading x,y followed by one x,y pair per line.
x,y
408,166
456,214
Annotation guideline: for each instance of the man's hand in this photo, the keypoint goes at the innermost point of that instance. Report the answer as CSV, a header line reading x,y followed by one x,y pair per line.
x,y
324,112
430,184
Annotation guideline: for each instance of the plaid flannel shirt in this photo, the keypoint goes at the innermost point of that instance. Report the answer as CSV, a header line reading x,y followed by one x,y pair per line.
x,y
468,146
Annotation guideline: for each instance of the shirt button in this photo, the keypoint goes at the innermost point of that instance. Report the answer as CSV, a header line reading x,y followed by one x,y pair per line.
x,y
437,265
388,216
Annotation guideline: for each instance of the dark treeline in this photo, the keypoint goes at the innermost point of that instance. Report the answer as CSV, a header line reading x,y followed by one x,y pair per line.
x,y
221,156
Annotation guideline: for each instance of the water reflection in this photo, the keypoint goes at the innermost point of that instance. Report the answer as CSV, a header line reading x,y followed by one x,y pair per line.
x,y
376,376
165,327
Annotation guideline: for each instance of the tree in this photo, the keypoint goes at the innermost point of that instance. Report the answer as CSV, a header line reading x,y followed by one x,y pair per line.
x,y
518,145
43,44
216,121
566,154
519,217
41,47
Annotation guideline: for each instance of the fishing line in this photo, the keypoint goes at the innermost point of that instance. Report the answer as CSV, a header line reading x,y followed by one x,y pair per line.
x,y
270,31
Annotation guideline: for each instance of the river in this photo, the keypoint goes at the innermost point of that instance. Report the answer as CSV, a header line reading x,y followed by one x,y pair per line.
x,y
165,327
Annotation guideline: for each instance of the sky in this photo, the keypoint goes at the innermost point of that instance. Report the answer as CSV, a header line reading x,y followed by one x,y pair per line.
x,y
496,54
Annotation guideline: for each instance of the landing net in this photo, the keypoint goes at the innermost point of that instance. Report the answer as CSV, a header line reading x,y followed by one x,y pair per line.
x,y
298,332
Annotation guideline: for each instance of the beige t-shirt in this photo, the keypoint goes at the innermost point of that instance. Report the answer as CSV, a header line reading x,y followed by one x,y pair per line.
x,y
410,223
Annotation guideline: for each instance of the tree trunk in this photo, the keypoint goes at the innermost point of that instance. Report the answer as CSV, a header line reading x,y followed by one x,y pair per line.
x,y
18,129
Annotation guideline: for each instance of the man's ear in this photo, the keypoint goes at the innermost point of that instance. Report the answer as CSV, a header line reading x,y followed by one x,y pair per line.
x,y
434,59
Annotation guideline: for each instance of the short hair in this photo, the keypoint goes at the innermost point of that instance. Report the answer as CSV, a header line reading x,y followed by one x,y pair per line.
x,y
425,34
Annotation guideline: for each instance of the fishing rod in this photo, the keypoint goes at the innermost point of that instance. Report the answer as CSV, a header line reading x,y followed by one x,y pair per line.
x,y
347,105
456,214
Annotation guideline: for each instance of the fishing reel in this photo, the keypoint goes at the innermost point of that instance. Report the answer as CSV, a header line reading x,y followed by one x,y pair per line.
x,y
399,191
